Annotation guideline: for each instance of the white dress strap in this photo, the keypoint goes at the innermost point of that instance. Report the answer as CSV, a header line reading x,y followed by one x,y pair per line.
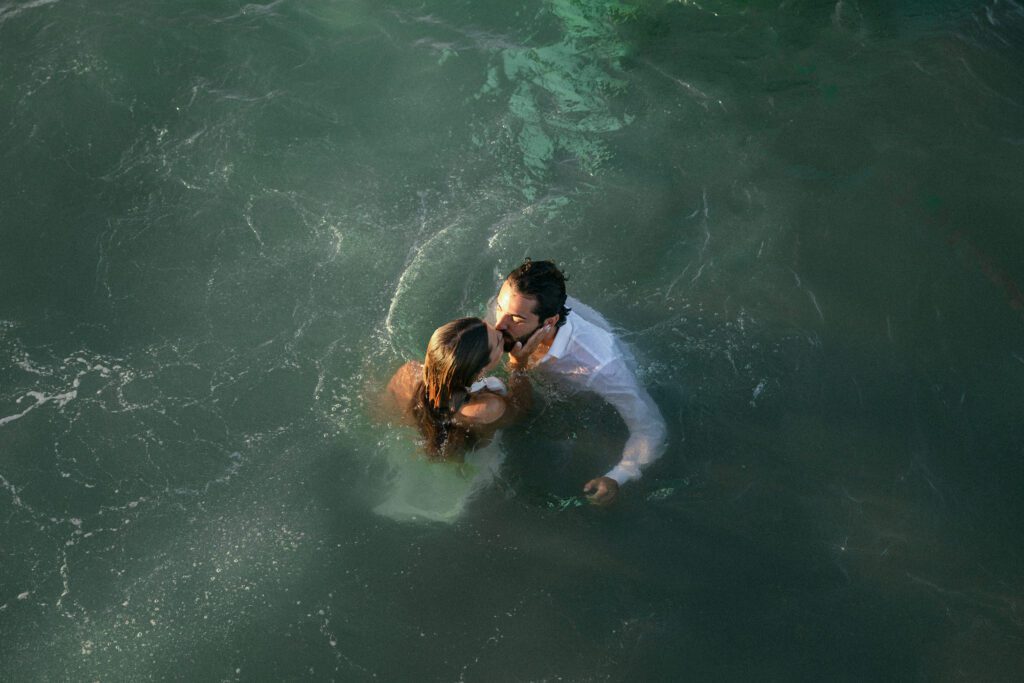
x,y
492,384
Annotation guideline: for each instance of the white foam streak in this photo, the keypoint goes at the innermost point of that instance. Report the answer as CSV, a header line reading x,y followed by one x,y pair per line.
x,y
11,11
13,491
410,270
41,399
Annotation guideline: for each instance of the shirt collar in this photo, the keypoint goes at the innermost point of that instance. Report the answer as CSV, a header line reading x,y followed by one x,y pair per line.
x,y
562,338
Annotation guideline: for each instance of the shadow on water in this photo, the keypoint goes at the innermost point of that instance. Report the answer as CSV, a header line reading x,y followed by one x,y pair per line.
x,y
810,546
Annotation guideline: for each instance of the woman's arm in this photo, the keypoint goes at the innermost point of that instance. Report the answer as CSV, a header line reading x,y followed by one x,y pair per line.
x,y
488,411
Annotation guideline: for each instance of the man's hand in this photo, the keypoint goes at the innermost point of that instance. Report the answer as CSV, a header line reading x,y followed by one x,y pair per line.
x,y
520,354
601,491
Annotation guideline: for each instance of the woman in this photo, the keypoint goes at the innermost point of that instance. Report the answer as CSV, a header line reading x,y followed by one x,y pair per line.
x,y
451,398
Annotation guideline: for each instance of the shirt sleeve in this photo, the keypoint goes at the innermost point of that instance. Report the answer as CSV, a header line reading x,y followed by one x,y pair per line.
x,y
617,384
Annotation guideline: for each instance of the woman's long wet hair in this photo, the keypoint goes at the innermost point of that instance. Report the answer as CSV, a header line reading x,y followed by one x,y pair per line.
x,y
456,354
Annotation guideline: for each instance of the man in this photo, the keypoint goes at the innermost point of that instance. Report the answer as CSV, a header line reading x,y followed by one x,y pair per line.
x,y
576,345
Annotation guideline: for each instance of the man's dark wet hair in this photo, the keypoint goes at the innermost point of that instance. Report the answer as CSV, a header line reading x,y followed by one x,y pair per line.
x,y
543,281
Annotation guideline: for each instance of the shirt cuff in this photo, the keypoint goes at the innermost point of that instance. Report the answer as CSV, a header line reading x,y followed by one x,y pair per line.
x,y
621,474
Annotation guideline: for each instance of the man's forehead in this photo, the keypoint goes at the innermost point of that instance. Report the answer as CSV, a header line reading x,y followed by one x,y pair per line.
x,y
515,303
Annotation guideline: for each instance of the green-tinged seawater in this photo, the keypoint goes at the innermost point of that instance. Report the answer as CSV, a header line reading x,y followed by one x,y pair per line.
x,y
223,225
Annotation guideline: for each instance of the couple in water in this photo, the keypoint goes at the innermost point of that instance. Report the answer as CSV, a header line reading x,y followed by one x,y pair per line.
x,y
457,404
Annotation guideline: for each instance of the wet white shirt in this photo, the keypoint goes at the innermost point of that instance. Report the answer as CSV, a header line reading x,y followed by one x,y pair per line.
x,y
588,356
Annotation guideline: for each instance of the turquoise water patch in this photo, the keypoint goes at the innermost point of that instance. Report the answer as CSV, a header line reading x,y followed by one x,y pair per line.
x,y
560,96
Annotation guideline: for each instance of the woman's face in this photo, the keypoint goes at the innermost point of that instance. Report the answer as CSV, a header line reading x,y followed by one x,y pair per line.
x,y
496,345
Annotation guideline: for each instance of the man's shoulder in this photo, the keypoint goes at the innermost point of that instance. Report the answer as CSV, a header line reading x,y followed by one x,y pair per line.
x,y
588,314
590,344
589,328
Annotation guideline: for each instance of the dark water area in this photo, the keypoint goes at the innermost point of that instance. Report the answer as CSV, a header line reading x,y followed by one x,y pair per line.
x,y
223,225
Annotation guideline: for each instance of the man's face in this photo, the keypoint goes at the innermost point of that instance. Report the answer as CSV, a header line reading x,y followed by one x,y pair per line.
x,y
514,316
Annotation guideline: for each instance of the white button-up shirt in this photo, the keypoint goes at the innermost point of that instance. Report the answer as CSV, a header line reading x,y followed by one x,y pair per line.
x,y
586,354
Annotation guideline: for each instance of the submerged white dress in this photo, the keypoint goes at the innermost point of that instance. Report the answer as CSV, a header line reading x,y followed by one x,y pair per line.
x,y
423,491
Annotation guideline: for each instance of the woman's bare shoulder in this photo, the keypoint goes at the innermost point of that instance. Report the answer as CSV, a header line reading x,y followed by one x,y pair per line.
x,y
405,378
402,385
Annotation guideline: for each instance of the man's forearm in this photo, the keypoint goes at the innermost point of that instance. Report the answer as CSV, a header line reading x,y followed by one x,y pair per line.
x,y
642,448
647,431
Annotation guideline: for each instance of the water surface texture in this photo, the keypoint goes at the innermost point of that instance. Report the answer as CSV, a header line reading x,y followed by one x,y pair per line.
x,y
222,225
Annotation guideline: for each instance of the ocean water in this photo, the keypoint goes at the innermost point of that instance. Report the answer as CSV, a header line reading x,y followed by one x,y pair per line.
x,y
223,225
